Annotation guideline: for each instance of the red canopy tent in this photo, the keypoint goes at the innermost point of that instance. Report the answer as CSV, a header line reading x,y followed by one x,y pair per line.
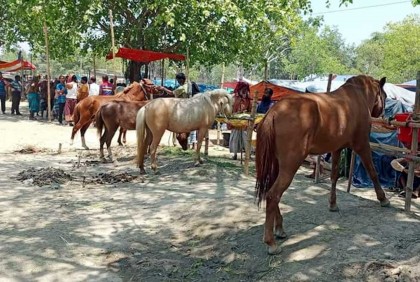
x,y
278,91
144,56
16,66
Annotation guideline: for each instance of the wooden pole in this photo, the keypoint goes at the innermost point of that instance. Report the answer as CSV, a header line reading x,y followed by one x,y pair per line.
x,y
112,34
162,72
48,72
221,86
94,66
250,129
414,146
318,159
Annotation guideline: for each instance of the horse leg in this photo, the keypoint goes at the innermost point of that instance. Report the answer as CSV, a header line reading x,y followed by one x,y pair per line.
x,y
335,164
366,156
153,148
101,146
124,137
200,137
119,137
147,142
109,135
82,134
273,217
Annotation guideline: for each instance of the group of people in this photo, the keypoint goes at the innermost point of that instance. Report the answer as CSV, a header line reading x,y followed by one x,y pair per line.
x,y
65,93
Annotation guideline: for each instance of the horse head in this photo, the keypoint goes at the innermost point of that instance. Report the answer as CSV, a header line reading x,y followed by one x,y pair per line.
x,y
183,140
374,89
222,100
148,87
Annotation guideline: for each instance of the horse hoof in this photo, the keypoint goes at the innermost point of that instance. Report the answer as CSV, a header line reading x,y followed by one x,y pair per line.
x,y
86,147
157,172
142,172
385,203
197,164
274,250
280,234
334,208
201,161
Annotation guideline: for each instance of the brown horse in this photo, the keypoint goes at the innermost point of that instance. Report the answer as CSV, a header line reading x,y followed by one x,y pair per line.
x,y
304,124
85,111
178,115
120,113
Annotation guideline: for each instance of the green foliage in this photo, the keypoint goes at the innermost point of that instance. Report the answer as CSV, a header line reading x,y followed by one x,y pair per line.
x,y
313,53
393,53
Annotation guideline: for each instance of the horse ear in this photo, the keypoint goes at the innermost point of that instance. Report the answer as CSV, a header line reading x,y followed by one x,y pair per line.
x,y
382,81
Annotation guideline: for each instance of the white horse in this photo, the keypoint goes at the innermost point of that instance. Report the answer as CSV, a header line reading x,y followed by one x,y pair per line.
x,y
179,116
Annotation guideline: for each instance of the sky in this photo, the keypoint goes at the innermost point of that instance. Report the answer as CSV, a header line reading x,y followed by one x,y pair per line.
x,y
359,20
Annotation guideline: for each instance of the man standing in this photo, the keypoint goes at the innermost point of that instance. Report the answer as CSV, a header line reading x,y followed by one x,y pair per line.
x,y
93,87
181,91
3,92
16,86
83,90
106,88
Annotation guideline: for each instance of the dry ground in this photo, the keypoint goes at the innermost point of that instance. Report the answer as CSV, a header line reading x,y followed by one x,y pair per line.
x,y
104,223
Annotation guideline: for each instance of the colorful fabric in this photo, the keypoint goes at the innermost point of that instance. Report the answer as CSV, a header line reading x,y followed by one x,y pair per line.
x,y
33,99
106,88
69,109
42,104
61,97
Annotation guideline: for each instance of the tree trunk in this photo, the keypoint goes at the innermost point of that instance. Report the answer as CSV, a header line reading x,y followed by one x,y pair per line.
x,y
146,71
133,70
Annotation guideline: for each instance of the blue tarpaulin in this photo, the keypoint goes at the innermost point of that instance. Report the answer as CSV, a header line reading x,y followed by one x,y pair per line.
x,y
382,162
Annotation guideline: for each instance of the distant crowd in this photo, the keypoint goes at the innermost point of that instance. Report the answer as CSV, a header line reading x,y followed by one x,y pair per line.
x,y
65,93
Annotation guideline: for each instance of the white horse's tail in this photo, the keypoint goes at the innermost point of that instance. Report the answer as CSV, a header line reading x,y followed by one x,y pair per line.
x,y
141,131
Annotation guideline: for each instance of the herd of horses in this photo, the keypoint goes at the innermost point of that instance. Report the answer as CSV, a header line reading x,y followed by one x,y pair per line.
x,y
296,126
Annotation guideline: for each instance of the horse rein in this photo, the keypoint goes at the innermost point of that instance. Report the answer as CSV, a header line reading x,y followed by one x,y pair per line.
x,y
143,87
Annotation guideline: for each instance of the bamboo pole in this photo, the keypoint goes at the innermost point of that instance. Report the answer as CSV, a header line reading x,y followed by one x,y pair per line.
x,y
221,86
48,71
414,146
250,129
112,34
318,159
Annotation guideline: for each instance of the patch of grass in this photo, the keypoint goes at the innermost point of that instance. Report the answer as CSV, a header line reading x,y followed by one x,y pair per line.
x,y
175,151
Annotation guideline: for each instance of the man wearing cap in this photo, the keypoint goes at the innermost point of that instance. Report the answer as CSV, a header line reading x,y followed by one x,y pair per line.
x,y
3,84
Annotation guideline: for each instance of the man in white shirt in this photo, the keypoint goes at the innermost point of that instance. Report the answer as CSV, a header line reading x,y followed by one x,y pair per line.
x,y
93,87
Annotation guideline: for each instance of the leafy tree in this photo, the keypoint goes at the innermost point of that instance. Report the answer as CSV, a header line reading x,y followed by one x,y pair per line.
x,y
401,50
214,31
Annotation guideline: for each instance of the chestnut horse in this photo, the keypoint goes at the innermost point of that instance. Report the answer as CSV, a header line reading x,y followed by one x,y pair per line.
x,y
86,109
178,115
120,113
298,125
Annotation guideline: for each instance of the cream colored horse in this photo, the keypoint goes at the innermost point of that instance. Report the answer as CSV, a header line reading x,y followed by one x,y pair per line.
x,y
178,115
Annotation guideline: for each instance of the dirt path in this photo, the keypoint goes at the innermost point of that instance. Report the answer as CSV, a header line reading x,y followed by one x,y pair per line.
x,y
187,224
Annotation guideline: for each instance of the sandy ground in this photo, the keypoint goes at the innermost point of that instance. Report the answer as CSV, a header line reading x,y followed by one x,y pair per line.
x,y
186,224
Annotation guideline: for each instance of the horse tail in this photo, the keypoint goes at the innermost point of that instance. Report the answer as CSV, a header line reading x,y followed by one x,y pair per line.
x,y
99,122
76,114
141,130
266,164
